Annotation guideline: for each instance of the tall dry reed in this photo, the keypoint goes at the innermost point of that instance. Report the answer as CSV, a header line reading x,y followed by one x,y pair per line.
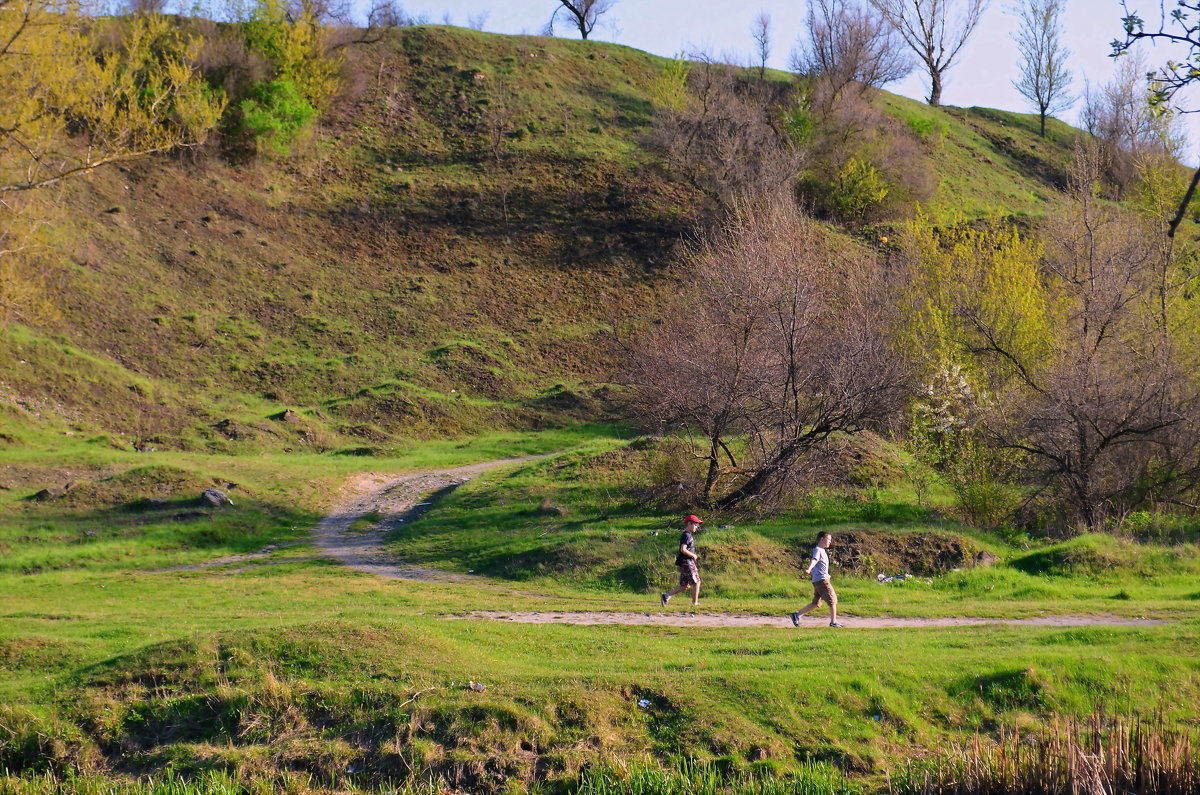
x,y
1093,756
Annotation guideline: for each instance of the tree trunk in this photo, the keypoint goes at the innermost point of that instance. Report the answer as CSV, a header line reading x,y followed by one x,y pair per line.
x,y
1042,119
714,474
935,87
1183,205
763,480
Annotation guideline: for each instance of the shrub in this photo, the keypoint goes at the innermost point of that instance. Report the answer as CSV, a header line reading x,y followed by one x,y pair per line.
x,y
858,188
669,88
927,129
274,115
799,124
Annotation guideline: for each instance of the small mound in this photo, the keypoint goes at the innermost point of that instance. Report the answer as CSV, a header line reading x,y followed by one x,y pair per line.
x,y
748,552
1087,555
863,459
474,369
569,558
32,653
399,408
562,400
135,485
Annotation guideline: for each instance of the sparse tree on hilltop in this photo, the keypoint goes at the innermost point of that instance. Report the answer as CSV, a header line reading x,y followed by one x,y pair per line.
x,y
760,31
1129,132
584,14
935,30
478,21
1045,79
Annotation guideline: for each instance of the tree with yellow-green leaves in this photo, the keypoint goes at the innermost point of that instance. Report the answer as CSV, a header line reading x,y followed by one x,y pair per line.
x,y
71,106
1076,354
296,46
979,308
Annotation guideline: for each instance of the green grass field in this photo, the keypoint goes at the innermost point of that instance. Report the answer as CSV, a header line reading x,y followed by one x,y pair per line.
x,y
431,282
294,672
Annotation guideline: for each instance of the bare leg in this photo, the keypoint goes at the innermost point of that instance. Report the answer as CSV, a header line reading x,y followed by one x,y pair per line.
x,y
810,606
694,588
833,612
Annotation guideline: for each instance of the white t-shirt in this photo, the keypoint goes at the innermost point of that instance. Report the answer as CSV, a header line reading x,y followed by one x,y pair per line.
x,y
821,570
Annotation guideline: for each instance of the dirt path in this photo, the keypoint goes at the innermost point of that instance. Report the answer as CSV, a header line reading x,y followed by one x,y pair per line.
x,y
688,619
396,500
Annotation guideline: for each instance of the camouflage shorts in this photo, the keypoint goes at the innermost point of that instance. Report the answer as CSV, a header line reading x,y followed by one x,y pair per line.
x,y
688,575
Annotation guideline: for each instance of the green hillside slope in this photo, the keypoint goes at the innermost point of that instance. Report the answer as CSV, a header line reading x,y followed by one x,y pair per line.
x,y
439,258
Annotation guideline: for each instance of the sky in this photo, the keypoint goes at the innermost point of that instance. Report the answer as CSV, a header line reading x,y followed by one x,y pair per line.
x,y
983,75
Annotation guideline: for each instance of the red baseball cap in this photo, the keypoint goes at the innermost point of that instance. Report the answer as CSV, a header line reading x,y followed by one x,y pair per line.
x,y
693,518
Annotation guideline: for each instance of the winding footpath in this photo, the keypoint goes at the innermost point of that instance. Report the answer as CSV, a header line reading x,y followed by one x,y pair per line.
x,y
402,499
395,500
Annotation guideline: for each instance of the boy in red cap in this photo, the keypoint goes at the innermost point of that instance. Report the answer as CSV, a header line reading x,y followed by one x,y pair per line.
x,y
685,559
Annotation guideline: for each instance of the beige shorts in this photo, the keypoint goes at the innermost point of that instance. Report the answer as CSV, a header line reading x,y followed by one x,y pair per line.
x,y
823,592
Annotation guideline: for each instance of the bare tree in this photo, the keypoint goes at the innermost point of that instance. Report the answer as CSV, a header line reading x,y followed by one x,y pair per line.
x,y
1129,131
584,13
147,6
386,14
933,31
760,31
1045,79
773,342
1109,422
845,44
477,21
382,15
497,123
323,12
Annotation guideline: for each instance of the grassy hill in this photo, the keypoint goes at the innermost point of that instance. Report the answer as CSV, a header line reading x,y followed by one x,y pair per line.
x,y
440,258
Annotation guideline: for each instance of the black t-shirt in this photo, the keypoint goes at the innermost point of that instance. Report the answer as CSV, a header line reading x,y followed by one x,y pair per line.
x,y
686,539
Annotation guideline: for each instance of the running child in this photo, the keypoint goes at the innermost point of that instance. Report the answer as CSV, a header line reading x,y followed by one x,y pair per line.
x,y
823,591
685,559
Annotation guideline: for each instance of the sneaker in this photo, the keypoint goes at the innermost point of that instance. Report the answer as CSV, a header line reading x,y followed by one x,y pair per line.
x,y
836,625
795,619
663,598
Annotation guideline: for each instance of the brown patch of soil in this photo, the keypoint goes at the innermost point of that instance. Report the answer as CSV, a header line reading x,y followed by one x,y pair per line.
x,y
866,553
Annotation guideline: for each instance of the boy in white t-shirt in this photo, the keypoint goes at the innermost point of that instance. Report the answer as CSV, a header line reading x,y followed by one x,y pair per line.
x,y
823,591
